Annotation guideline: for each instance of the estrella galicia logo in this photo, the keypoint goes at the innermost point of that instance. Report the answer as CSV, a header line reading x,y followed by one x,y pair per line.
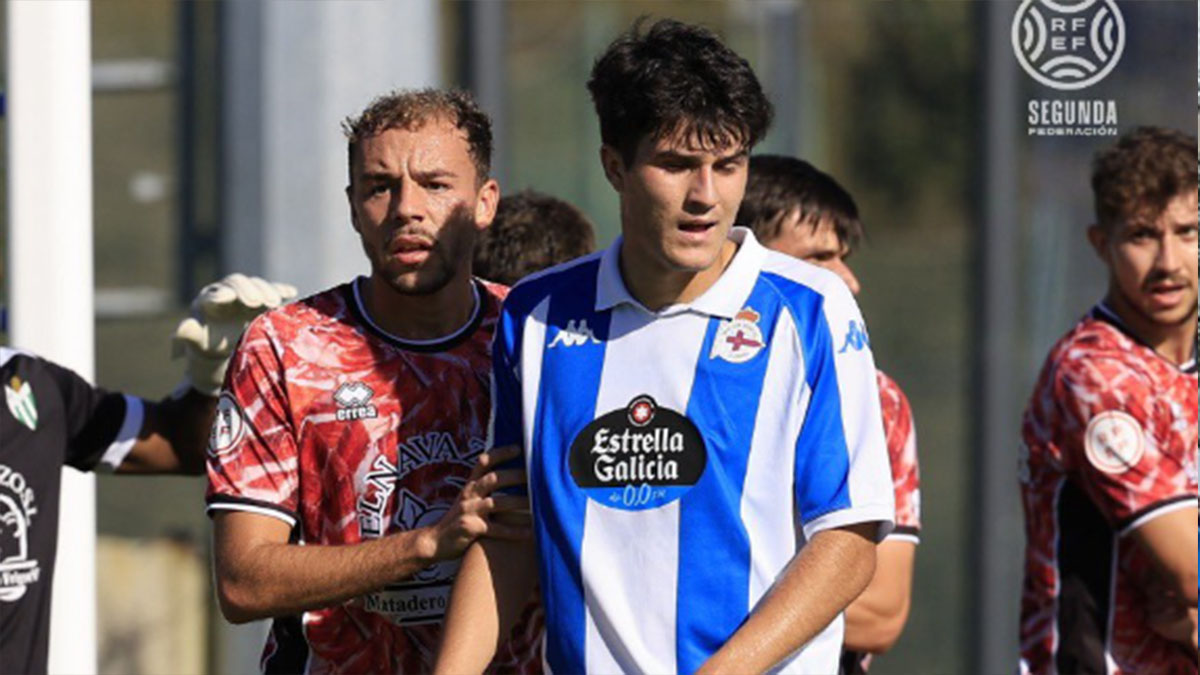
x,y
639,457
856,338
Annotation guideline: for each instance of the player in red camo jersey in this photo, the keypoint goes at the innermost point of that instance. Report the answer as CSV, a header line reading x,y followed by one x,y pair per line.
x,y
797,209
353,422
1108,462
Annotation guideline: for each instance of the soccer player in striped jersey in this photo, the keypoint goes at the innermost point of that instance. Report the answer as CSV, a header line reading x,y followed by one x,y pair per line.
x,y
795,208
699,416
1108,462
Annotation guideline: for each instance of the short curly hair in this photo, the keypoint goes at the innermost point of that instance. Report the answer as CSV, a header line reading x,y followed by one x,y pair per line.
x,y
531,232
411,109
1137,177
780,186
676,78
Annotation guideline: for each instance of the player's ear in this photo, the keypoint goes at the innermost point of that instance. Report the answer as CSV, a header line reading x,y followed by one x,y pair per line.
x,y
353,213
486,201
1098,237
614,166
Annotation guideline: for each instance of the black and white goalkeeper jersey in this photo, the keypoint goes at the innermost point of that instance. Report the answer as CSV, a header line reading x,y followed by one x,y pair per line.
x,y
51,417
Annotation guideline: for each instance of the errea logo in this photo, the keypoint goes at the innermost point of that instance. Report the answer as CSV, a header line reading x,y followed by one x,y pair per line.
x,y
353,399
856,338
576,334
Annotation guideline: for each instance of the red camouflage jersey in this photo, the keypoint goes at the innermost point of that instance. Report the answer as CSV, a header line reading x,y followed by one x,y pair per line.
x,y
348,434
1109,443
906,483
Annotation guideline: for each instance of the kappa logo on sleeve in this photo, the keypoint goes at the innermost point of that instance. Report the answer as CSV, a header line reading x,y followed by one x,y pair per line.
x,y
576,334
856,338
229,426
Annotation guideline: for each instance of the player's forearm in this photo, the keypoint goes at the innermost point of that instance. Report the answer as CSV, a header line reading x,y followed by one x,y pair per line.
x,y
275,579
493,585
876,618
173,437
829,572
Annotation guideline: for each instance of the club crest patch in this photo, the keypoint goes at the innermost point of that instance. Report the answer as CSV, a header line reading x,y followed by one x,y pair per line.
x,y
21,402
740,339
229,425
638,457
1113,442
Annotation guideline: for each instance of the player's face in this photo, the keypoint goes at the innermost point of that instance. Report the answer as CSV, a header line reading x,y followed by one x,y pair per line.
x,y
817,244
1152,262
677,201
417,204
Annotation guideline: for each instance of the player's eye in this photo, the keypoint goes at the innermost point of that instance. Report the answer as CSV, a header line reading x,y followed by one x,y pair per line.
x,y
376,189
1187,231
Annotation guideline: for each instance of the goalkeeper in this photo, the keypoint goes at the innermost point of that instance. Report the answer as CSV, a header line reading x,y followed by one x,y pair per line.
x,y
53,417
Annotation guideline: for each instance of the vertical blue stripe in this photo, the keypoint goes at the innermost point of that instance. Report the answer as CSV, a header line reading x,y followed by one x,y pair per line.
x,y
822,457
714,547
570,383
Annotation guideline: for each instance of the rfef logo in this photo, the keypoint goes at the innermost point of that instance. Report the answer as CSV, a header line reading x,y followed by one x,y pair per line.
x,y
1068,44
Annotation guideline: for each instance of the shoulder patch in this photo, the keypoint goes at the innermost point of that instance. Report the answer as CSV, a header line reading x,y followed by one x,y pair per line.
x,y
229,425
1113,442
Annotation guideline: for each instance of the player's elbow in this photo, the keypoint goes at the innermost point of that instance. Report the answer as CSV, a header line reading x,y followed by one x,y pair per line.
x,y
238,602
880,633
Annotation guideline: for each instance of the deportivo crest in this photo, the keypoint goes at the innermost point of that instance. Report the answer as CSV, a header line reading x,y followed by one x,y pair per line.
x,y
229,425
1113,442
740,339
638,457
21,402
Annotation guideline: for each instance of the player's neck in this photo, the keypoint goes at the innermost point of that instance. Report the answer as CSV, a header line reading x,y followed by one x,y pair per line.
x,y
420,317
1174,342
657,288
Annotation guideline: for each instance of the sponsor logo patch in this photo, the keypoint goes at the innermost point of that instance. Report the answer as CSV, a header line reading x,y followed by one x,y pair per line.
x,y
638,457
576,334
229,425
856,338
354,402
740,339
18,505
1113,442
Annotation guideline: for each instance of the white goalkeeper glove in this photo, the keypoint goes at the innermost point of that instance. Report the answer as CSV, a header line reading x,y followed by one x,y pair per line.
x,y
220,313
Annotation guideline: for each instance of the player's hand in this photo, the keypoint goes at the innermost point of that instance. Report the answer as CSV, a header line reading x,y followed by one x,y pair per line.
x,y
219,315
479,509
1167,615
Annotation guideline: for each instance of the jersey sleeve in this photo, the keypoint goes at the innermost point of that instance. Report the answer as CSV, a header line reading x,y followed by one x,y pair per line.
x,y
842,474
901,435
1123,442
253,458
504,426
102,426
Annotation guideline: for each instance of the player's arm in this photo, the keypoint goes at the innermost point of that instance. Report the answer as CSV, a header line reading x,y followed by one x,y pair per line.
x,y
1171,588
831,569
259,574
174,431
491,589
876,618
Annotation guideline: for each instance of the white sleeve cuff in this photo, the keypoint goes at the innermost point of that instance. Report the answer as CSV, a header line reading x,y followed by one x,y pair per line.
x,y
883,513
251,508
119,449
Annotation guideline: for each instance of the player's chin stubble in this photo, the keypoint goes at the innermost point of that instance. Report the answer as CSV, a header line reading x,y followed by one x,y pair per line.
x,y
451,250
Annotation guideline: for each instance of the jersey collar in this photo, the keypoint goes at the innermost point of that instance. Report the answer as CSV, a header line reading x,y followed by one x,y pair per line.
x,y
443,343
1102,312
725,298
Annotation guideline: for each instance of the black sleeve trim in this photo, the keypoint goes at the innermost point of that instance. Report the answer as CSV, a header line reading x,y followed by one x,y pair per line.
x,y
1125,523
231,503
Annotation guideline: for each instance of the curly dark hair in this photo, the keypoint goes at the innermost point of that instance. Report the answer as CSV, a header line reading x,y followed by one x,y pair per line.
x,y
411,108
1137,177
779,186
531,232
676,78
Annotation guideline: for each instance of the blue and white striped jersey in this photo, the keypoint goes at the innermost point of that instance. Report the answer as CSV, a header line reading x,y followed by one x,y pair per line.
x,y
679,459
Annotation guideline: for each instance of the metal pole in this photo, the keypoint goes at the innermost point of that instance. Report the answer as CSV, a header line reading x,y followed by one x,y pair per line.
x,y
50,258
484,72
996,529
